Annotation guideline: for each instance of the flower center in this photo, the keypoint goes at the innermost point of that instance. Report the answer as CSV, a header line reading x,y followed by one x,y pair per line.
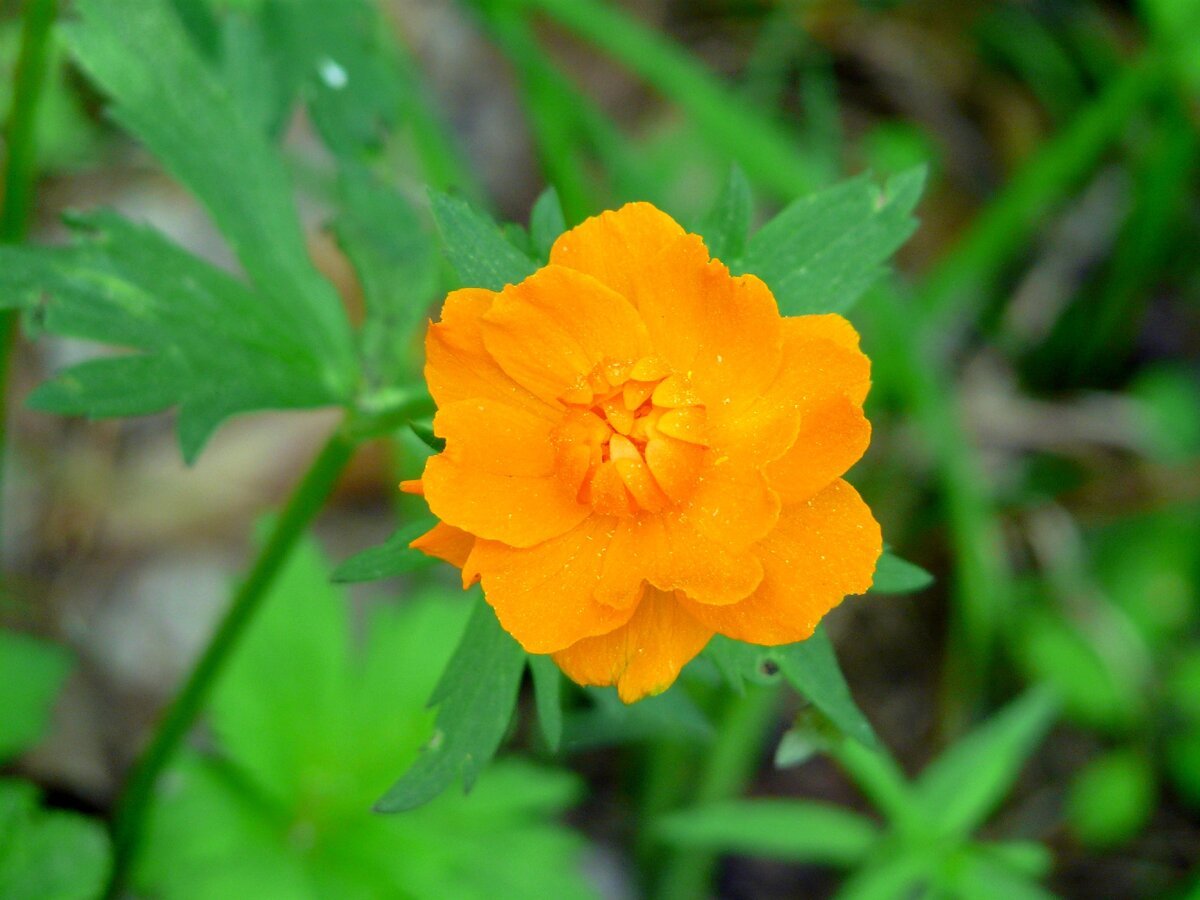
x,y
634,437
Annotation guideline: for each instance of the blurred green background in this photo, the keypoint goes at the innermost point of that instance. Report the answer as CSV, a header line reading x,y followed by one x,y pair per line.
x,y
1037,438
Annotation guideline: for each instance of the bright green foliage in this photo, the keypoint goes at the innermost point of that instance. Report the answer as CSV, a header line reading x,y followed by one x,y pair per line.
x,y
47,854
208,343
310,731
825,249
927,844
790,830
810,666
31,674
475,699
476,248
1112,798
44,854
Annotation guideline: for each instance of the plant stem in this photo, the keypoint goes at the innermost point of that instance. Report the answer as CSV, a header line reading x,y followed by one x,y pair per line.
x,y
728,768
305,502
20,169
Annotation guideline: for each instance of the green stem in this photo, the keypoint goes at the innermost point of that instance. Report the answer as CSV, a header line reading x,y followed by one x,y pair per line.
x,y
20,167
728,768
135,804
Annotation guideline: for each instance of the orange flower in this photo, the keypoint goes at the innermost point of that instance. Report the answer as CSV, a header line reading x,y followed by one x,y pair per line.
x,y
641,452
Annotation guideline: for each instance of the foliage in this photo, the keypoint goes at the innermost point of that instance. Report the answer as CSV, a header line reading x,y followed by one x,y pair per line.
x,y
310,730
926,843
45,854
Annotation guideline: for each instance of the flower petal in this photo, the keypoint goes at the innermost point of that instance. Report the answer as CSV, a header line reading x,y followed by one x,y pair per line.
x,y
832,438
517,510
493,436
644,656
822,551
821,363
722,332
733,505
556,326
615,246
547,596
446,543
677,556
458,366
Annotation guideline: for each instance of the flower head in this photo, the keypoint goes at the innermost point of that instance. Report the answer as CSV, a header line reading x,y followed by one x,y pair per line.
x,y
641,453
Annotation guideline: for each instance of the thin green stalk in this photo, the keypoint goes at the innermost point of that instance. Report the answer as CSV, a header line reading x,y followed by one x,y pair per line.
x,y
306,501
20,168
728,768
764,149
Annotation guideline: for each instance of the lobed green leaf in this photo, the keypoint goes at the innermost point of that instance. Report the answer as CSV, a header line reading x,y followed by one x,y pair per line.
x,y
32,673
894,575
476,248
475,699
392,557
48,855
822,252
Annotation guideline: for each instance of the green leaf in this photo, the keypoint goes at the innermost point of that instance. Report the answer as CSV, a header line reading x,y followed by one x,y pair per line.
x,y
966,783
822,252
810,666
1111,799
725,227
894,575
546,222
48,855
311,728
476,248
668,716
475,700
547,691
986,875
340,58
32,673
392,557
165,93
207,342
397,266
887,877
789,830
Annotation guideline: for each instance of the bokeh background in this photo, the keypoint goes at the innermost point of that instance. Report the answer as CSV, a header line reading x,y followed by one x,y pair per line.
x,y
1036,401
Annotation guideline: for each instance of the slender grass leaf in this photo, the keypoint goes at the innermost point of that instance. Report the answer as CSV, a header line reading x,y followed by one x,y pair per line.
x,y
725,227
547,691
207,343
894,575
789,830
32,673
967,782
476,248
48,855
1026,857
546,222
475,700
822,252
392,557
168,96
